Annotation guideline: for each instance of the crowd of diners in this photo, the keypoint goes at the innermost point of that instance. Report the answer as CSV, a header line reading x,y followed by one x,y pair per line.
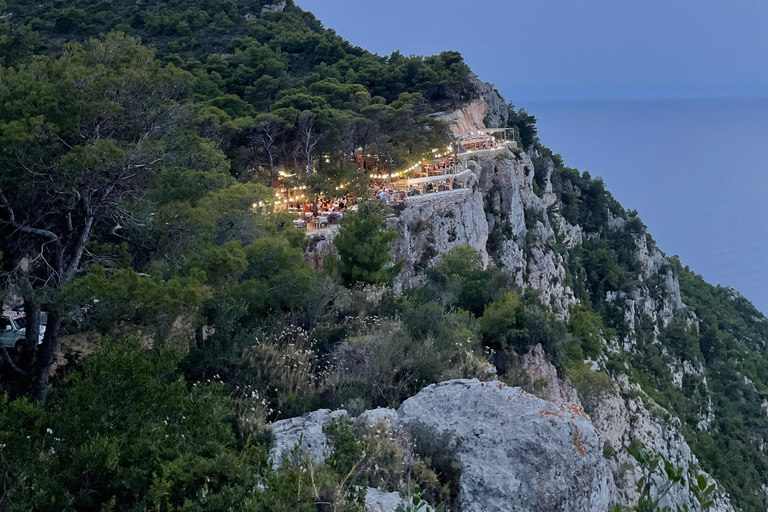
x,y
439,167
394,193
469,143
321,213
421,180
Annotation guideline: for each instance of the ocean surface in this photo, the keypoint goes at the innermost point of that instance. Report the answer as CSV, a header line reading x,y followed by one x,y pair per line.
x,y
696,171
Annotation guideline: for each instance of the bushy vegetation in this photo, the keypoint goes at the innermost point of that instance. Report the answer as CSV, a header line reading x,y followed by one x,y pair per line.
x,y
724,350
420,459
127,432
138,145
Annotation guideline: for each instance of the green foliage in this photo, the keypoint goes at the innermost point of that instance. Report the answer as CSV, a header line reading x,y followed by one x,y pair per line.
x,y
373,456
438,452
363,243
348,451
519,322
125,296
704,491
462,282
590,384
386,364
127,433
608,451
525,126
417,504
587,327
181,185
117,449
729,329
502,324
21,433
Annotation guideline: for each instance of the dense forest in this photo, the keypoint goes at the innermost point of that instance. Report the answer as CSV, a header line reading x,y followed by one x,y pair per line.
x,y
139,144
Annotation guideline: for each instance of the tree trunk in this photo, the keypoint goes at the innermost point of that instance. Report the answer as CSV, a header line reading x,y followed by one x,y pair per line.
x,y
46,355
33,324
199,338
271,171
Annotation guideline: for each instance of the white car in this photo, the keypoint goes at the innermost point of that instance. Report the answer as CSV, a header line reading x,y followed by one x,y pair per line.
x,y
13,331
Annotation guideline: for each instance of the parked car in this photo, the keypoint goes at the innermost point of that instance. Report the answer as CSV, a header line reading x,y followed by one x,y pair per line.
x,y
13,331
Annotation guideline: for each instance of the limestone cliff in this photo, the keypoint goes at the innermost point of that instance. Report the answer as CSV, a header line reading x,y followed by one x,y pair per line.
x,y
525,232
487,110
431,225
517,212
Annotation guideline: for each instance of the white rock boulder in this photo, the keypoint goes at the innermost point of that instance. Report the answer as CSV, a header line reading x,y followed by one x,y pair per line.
x,y
517,452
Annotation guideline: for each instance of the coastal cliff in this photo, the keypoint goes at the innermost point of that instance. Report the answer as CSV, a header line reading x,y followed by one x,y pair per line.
x,y
513,214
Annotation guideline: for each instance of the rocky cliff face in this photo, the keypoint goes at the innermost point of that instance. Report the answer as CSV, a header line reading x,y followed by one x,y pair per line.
x,y
517,452
467,119
274,7
431,225
488,110
513,213
524,232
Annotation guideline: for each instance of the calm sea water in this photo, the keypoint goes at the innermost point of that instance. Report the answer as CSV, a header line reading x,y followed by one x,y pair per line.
x,y
696,171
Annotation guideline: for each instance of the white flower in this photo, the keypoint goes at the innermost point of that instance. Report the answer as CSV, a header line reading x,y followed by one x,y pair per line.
x,y
49,431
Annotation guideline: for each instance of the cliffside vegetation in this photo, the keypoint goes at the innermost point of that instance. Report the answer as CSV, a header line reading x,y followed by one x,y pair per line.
x,y
710,373
138,144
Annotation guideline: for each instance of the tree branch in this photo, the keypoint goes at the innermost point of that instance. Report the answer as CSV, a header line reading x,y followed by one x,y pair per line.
x,y
10,362
50,235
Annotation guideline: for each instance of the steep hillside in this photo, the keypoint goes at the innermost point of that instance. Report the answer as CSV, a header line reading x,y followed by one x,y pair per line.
x,y
194,335
694,353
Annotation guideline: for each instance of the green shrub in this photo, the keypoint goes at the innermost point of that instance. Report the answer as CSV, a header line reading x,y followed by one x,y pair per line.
x,y
363,243
590,384
349,452
587,327
440,473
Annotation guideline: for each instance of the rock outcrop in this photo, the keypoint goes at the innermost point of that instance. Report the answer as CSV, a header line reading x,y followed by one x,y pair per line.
x,y
623,416
320,246
467,119
303,436
274,7
510,213
430,225
495,105
628,415
488,110
543,380
380,501
516,451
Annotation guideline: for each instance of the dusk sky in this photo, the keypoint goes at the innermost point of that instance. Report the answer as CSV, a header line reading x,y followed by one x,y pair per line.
x,y
667,101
